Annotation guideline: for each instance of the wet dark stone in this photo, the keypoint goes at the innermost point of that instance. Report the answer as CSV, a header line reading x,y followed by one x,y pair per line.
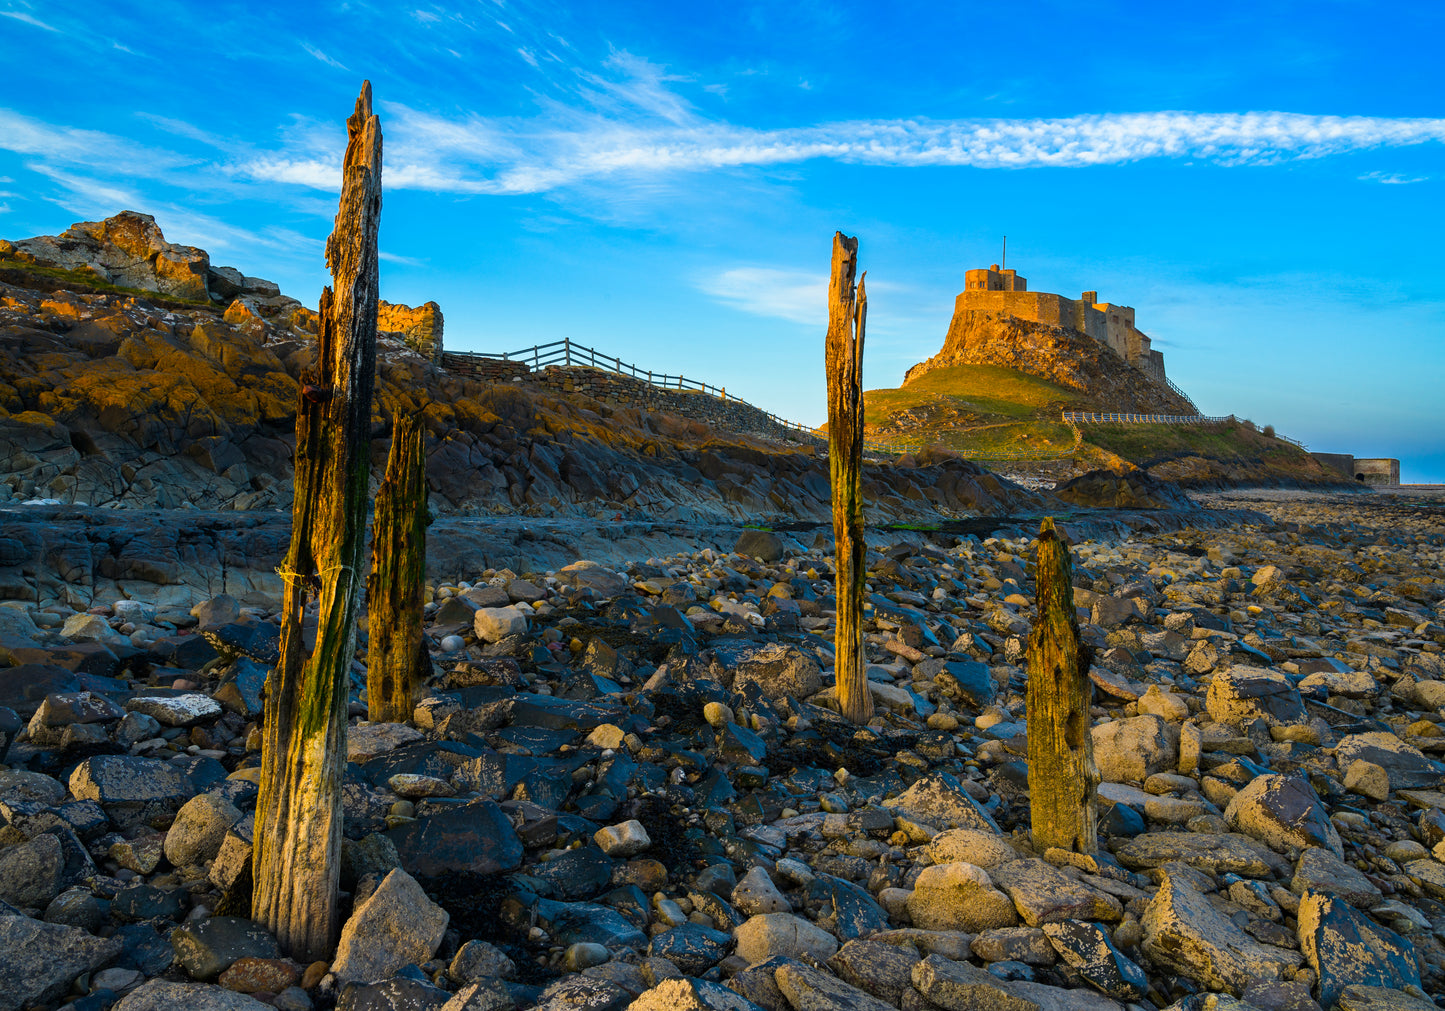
x,y
566,714
430,758
258,640
146,950
203,771
740,745
588,922
1120,820
848,911
537,740
10,725
692,947
495,775
475,837
543,787
966,681
241,687
24,687
147,902
576,874
1088,949
1353,949
187,652
207,949
80,658
396,994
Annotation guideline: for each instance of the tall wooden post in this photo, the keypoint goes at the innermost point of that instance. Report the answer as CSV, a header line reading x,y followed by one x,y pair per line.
x,y
396,658
847,314
298,812
1062,774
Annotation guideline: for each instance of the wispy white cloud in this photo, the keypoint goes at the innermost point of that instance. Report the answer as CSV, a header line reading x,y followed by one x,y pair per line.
x,y
28,19
1392,178
323,57
639,127
798,296
528,55
406,261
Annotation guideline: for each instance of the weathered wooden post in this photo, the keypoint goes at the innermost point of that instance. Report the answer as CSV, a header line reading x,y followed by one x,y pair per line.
x,y
1062,774
298,813
397,660
847,313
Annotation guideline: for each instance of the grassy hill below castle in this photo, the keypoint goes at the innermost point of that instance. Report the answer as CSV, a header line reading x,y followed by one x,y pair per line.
x,y
1012,420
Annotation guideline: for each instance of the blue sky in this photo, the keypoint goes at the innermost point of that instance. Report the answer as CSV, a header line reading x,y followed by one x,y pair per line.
x,y
1261,180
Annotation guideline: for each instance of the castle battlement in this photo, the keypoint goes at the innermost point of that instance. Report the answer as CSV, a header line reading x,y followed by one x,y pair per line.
x,y
998,292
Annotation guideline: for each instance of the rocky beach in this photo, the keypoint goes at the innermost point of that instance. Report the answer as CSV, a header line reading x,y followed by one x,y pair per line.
x,y
627,785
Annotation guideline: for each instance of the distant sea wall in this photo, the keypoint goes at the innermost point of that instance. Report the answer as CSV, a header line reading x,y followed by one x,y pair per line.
x,y
625,391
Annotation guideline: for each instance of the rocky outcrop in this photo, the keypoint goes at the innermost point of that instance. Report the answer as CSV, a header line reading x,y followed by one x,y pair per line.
x,y
1058,354
128,250
114,400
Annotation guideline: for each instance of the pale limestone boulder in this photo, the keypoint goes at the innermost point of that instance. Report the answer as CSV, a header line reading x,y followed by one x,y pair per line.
x,y
199,829
756,893
971,846
769,934
622,840
1134,748
396,926
959,896
1165,705
495,623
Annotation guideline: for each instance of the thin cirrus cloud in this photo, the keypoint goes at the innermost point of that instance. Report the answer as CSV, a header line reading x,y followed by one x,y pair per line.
x,y
475,155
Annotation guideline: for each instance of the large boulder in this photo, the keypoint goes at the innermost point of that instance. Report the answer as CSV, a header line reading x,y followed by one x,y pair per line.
x,y
397,925
938,799
1134,748
778,669
1282,812
41,960
1241,694
959,896
1344,947
768,934
1184,933
1406,765
126,249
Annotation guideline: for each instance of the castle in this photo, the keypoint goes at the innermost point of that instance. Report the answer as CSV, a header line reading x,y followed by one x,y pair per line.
x,y
1005,293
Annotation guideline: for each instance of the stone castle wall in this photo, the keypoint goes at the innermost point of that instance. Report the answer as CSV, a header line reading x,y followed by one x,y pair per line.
x,y
995,294
625,391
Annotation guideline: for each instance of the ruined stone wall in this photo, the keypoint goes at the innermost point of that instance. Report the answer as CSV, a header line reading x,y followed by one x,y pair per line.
x,y
420,327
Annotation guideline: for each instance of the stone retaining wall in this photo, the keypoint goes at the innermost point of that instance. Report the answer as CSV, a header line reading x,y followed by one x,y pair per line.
x,y
625,391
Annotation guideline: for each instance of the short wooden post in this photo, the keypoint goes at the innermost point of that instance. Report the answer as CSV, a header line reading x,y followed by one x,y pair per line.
x,y
1062,774
847,313
298,812
397,661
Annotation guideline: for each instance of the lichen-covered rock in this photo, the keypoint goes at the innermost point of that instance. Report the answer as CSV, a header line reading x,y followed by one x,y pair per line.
x,y
959,896
1343,947
1283,812
1134,748
1240,694
1186,934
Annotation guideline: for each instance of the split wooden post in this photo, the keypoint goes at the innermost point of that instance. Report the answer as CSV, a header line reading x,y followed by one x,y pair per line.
x,y
1062,774
397,661
847,314
298,813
